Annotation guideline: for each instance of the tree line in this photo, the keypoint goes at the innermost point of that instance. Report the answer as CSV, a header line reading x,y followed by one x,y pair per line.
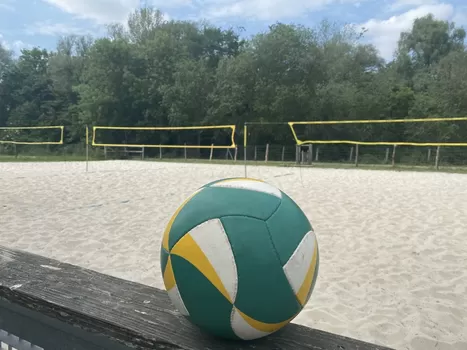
x,y
157,72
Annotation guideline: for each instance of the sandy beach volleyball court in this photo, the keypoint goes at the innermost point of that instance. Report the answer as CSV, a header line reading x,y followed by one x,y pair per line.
x,y
393,245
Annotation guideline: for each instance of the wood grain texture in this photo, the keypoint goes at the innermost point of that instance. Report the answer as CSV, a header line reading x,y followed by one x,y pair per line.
x,y
135,315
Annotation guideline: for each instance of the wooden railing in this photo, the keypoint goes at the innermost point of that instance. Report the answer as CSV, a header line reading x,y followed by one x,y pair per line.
x,y
58,306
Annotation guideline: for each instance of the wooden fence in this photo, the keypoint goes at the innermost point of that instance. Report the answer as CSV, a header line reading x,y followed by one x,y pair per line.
x,y
50,305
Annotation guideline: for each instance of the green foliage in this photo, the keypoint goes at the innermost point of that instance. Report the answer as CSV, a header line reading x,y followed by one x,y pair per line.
x,y
159,72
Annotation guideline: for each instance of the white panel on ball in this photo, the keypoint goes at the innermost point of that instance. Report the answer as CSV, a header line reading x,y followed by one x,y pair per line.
x,y
213,241
176,299
298,264
242,329
253,185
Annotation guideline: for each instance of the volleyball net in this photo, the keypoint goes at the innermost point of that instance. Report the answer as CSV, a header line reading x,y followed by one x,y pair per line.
x,y
442,133
31,142
372,142
337,140
32,135
183,141
334,141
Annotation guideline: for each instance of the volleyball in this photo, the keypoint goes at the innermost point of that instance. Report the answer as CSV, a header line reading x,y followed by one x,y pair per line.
x,y
239,258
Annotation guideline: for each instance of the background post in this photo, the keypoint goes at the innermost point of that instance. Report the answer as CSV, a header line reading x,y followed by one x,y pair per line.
x,y
245,130
87,148
356,154
437,158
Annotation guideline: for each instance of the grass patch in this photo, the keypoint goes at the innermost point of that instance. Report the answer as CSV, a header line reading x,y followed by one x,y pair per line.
x,y
386,167
43,158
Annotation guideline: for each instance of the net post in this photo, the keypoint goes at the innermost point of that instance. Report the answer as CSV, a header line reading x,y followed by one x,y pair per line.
x,y
356,154
160,151
394,156
212,150
283,154
235,156
64,153
386,157
266,156
310,154
317,154
185,150
62,135
351,155
245,135
429,155
87,148
437,158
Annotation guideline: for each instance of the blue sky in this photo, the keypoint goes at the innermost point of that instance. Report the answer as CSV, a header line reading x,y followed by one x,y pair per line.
x,y
27,23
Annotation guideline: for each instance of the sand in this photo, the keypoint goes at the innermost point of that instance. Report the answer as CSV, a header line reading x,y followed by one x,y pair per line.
x,y
393,244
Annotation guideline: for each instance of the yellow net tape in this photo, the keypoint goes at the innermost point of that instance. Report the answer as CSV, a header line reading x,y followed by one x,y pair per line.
x,y
381,121
17,128
169,128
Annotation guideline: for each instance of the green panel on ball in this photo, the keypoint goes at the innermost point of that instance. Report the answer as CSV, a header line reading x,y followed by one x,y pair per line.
x,y
214,202
264,292
287,226
164,259
207,307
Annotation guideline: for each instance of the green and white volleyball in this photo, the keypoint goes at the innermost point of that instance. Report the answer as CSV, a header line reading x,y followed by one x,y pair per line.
x,y
239,258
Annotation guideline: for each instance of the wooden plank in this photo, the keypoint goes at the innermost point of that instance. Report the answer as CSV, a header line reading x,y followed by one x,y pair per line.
x,y
135,315
49,333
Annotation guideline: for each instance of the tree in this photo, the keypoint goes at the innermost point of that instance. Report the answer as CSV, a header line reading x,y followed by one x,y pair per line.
x,y
27,92
430,40
6,60
160,72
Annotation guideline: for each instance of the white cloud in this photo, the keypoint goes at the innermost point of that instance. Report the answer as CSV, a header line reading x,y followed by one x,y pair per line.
x,y
400,4
172,3
3,42
384,34
109,11
53,29
15,46
7,5
460,18
101,11
266,9
104,11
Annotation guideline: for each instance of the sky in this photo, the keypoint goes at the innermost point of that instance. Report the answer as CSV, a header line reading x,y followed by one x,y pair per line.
x,y
28,23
